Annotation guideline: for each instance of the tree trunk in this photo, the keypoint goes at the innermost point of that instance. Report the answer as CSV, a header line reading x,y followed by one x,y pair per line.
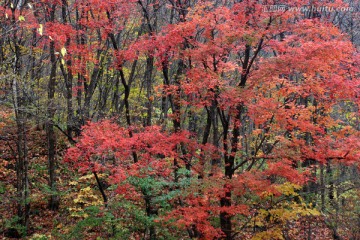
x,y
68,77
22,182
148,82
322,187
53,203
225,218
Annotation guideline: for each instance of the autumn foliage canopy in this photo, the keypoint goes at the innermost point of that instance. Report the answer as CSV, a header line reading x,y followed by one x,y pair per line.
x,y
241,104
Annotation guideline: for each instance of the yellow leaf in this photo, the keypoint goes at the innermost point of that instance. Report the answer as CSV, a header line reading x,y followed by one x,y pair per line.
x,y
269,234
21,18
87,189
313,212
73,183
40,29
86,177
63,51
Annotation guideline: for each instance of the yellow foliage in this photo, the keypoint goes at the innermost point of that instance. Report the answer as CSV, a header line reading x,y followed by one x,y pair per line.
x,y
288,189
73,183
63,51
37,236
40,29
85,198
276,217
86,177
273,234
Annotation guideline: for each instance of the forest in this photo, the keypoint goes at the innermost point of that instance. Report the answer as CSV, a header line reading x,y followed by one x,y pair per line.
x,y
180,119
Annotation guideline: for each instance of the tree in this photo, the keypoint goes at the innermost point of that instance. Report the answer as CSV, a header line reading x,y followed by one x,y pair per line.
x,y
273,84
208,119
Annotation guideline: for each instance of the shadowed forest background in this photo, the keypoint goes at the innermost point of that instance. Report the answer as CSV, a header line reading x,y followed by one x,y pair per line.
x,y
179,119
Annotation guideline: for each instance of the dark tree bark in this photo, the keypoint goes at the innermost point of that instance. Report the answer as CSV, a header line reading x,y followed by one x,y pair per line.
x,y
148,82
68,77
22,181
54,200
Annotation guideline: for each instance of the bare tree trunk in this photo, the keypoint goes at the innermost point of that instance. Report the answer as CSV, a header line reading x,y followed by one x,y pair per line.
x,y
53,203
148,82
51,138
68,77
22,182
322,188
215,125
